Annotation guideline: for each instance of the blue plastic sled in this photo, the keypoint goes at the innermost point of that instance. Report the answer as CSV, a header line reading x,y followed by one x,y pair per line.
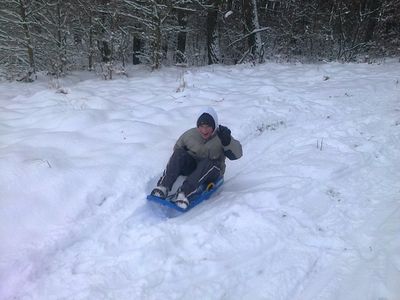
x,y
203,193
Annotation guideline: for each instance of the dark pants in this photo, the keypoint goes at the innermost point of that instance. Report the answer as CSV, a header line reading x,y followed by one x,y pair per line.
x,y
197,171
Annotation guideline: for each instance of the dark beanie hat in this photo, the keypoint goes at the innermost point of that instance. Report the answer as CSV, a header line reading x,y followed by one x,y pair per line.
x,y
206,119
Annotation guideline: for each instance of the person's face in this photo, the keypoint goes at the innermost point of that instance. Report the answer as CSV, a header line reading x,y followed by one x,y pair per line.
x,y
205,131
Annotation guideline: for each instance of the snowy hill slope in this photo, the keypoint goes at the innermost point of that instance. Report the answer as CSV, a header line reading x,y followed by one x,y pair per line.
x,y
311,211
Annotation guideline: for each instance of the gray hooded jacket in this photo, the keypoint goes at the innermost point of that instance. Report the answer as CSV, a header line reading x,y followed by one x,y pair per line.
x,y
199,149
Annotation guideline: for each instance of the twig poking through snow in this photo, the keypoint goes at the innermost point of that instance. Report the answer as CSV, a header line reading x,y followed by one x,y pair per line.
x,y
319,146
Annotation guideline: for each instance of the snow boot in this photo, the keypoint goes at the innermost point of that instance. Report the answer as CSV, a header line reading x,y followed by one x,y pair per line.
x,y
181,200
160,191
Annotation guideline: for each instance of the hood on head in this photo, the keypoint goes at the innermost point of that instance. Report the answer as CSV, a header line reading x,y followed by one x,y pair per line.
x,y
209,110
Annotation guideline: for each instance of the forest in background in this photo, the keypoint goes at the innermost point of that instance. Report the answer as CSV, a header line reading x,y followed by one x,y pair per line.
x,y
58,36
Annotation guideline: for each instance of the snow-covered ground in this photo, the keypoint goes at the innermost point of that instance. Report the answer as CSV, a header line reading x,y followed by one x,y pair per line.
x,y
311,211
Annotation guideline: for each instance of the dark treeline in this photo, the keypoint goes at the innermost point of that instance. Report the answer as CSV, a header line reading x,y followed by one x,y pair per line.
x,y
58,35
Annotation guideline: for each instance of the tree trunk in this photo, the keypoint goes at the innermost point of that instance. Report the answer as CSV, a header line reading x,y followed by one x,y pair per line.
x,y
212,36
157,46
374,6
104,44
28,40
253,26
137,48
61,47
180,53
91,46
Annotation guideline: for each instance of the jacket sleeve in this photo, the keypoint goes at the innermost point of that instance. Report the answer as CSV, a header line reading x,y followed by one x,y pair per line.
x,y
182,140
179,143
233,150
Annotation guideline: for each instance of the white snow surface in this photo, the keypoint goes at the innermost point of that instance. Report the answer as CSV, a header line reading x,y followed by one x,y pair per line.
x,y
311,210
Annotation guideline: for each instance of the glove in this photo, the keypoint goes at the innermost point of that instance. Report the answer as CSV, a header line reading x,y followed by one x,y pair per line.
x,y
224,134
